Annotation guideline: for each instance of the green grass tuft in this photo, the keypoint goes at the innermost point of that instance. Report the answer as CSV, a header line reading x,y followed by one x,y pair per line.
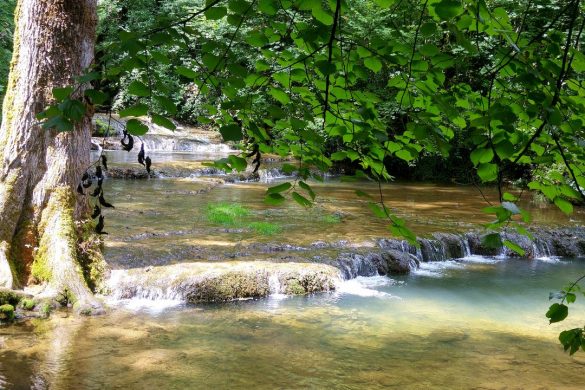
x,y
230,214
265,228
331,218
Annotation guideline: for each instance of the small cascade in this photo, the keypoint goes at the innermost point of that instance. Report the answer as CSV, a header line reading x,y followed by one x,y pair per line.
x,y
270,174
274,285
353,265
466,247
545,243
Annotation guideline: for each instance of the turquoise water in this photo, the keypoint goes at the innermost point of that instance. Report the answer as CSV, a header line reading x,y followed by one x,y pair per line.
x,y
455,325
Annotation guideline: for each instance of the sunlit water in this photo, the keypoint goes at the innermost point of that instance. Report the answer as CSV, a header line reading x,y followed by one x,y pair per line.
x,y
458,325
163,221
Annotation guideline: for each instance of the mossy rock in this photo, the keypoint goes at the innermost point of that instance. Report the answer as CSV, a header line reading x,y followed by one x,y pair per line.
x,y
6,313
27,304
11,297
294,287
230,286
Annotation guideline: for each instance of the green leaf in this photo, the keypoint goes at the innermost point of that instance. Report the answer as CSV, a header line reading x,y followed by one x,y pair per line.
x,y
487,172
274,199
61,94
447,9
186,72
481,156
571,298
307,188
231,132
509,197
167,104
269,7
137,110
514,247
564,205
238,163
492,240
135,127
86,78
58,123
428,29
322,16
72,109
138,89
216,13
504,149
301,199
238,6
279,188
557,312
377,210
280,95
404,154
373,63
97,97
162,121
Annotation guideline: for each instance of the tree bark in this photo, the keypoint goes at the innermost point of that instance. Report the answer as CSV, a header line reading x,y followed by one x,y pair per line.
x,y
40,169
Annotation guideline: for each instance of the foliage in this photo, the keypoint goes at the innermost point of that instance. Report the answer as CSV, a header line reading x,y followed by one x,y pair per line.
x,y
571,339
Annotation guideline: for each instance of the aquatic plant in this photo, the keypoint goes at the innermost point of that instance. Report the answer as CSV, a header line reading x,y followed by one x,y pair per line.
x,y
265,228
228,214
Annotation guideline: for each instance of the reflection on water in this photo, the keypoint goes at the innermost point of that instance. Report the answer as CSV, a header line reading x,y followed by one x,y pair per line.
x,y
477,325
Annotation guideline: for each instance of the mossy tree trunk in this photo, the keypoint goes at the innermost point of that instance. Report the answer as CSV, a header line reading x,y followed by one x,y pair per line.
x,y
40,169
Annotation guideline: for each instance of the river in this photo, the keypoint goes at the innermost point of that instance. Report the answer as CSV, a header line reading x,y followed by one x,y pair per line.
x,y
476,322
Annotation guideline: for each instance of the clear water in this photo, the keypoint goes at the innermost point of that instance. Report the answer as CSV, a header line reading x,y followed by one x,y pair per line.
x,y
457,325
164,221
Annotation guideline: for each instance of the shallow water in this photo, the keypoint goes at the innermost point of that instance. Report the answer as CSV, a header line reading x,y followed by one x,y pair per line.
x,y
163,221
460,325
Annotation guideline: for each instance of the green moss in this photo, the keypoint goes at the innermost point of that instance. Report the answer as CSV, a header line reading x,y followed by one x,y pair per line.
x,y
294,287
230,214
44,308
40,269
8,296
61,203
90,257
265,228
102,129
230,286
27,304
331,218
6,312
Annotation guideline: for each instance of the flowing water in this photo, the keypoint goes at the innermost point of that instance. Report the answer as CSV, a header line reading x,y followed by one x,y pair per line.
x,y
477,323
458,324
162,221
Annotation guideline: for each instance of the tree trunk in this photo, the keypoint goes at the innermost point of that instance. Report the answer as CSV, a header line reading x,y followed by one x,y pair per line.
x,y
40,212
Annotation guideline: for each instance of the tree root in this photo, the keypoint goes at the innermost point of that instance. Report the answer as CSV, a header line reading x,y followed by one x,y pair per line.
x,y
56,259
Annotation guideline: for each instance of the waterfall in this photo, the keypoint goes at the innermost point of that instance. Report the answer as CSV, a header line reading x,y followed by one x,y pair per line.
x,y
274,285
